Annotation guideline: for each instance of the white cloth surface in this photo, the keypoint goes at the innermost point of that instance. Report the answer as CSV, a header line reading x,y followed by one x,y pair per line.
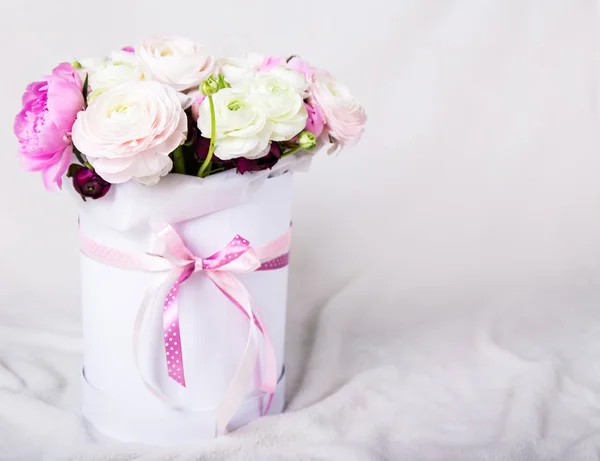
x,y
493,372
444,286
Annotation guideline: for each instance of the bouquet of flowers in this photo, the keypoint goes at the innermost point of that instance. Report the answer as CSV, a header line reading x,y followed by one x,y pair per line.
x,y
169,106
166,358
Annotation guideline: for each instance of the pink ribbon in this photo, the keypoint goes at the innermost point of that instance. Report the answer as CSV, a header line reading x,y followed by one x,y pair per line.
x,y
170,254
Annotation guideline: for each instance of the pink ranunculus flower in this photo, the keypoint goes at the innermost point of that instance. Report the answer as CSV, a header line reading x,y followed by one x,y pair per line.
x,y
197,97
302,67
43,127
129,131
345,118
270,62
315,121
177,62
295,63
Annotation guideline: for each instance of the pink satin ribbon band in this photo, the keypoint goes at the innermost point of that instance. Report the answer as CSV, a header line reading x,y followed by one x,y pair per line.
x,y
168,253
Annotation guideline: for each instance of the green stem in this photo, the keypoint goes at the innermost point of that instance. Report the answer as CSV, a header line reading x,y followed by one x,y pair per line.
x,y
178,160
291,151
79,157
213,135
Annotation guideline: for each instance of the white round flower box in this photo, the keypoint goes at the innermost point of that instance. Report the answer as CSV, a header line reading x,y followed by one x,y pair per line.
x,y
207,214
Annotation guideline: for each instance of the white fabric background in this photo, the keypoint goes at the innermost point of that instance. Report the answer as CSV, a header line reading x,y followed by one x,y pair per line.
x,y
462,235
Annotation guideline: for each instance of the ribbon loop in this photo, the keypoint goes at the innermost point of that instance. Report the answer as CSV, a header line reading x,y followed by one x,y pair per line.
x,y
236,257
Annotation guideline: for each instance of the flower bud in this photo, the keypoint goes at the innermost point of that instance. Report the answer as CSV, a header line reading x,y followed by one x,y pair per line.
x,y
209,86
87,183
76,65
223,83
307,140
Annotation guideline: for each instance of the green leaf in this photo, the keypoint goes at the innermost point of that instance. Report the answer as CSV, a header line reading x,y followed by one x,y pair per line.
x,y
73,168
223,83
178,161
86,88
78,154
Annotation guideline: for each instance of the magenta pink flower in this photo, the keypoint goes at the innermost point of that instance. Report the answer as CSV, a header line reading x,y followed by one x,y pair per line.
x,y
315,121
43,127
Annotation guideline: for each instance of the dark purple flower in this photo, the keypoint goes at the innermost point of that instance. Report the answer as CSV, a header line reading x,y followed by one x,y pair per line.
x,y
87,183
193,131
202,146
267,162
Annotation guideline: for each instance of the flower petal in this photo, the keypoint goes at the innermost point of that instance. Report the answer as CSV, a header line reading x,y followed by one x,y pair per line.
x,y
52,176
65,100
67,72
33,91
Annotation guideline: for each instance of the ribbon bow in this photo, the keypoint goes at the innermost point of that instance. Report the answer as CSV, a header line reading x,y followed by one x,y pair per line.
x,y
168,253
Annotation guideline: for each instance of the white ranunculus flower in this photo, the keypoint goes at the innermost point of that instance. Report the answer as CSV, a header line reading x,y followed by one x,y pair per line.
x,y
235,70
295,79
92,64
242,126
129,131
113,73
122,56
177,62
105,73
87,66
281,100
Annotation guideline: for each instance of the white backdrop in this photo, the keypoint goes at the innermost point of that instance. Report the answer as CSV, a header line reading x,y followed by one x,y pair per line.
x,y
480,162
480,152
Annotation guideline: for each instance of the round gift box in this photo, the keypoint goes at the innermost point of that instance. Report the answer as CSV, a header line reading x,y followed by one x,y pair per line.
x,y
213,331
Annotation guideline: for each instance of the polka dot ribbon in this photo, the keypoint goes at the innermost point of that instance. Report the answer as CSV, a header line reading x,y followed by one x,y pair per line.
x,y
169,254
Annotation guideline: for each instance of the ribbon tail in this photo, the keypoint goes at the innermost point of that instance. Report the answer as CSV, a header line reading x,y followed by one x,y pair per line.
x,y
151,303
270,372
172,333
269,377
235,291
